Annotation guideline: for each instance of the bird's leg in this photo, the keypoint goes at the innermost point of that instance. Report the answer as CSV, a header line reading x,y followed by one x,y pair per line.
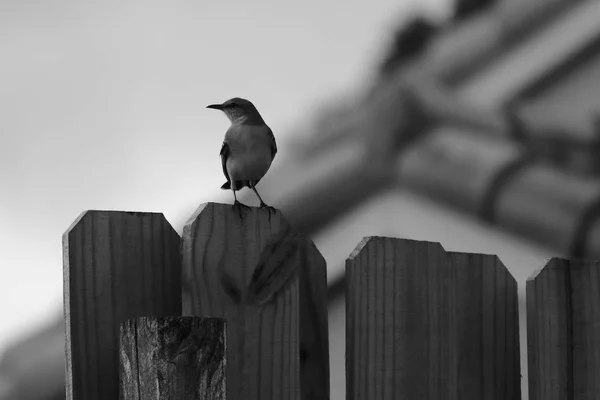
x,y
264,205
238,205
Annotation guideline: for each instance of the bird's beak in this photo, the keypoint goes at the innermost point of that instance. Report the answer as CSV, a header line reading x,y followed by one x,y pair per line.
x,y
215,106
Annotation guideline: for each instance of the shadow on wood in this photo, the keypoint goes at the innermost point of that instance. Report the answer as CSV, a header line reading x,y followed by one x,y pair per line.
x,y
269,283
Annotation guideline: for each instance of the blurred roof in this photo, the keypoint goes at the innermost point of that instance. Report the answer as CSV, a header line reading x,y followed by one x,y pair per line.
x,y
492,115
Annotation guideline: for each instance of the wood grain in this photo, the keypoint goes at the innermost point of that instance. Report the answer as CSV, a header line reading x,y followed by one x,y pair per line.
x,y
314,326
563,330
172,358
117,265
423,323
269,283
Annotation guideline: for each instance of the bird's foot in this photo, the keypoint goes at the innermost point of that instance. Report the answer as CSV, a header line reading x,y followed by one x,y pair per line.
x,y
269,209
239,206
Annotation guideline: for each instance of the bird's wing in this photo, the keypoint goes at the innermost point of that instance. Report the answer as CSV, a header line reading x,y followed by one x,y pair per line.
x,y
273,144
224,155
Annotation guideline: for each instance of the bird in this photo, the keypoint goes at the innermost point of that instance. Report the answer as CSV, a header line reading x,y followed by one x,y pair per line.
x,y
248,149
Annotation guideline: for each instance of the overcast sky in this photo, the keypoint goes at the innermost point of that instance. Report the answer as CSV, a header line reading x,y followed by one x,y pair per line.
x,y
102,107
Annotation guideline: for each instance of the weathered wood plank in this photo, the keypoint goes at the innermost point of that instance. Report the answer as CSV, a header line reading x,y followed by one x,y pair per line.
x,y
117,265
172,358
269,283
423,323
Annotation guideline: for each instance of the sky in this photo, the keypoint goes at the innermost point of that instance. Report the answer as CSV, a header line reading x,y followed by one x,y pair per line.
x,y
102,107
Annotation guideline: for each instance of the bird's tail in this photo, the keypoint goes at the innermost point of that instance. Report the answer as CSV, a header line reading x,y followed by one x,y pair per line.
x,y
226,185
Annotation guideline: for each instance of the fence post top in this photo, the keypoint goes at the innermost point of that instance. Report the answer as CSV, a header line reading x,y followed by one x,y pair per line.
x,y
369,240
562,264
223,209
106,213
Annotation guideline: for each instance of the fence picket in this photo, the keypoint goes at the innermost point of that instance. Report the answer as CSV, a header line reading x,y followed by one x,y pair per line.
x,y
451,331
563,326
117,265
254,271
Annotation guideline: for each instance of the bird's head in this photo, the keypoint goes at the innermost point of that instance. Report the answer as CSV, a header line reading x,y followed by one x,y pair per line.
x,y
239,110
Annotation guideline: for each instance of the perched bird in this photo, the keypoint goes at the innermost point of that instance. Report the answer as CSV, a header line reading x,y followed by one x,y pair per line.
x,y
248,148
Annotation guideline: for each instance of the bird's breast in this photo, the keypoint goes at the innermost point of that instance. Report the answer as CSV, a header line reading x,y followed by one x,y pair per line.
x,y
248,165
250,152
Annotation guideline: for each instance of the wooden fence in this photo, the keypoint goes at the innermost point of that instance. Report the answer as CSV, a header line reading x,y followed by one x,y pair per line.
x,y
237,309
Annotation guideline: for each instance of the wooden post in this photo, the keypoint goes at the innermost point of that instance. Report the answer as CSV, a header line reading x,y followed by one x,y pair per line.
x,y
269,283
117,265
563,326
423,323
172,358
